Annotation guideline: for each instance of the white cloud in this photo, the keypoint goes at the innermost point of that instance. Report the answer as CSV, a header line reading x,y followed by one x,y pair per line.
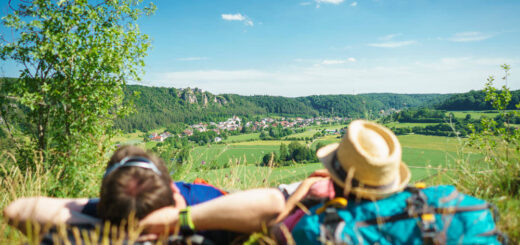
x,y
353,4
333,62
390,36
450,75
393,44
232,17
329,1
338,62
472,36
335,2
238,17
192,58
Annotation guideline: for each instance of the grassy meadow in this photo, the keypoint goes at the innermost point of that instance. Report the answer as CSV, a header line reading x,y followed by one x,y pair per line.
x,y
474,114
425,155
235,166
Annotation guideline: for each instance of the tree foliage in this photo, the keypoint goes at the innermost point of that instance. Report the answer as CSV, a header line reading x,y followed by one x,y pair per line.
x,y
158,107
76,56
475,100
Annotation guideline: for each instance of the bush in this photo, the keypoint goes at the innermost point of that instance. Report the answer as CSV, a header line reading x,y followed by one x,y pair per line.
x,y
497,179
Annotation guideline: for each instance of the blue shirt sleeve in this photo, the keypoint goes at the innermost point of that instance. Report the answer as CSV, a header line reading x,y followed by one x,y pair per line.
x,y
197,193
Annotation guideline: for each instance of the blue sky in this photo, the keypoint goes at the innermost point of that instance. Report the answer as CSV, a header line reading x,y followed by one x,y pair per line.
x,y
298,48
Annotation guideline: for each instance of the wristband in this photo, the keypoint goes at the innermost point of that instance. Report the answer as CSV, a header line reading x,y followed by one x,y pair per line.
x,y
186,224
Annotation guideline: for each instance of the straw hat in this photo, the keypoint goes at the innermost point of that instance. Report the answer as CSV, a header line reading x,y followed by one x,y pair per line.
x,y
367,161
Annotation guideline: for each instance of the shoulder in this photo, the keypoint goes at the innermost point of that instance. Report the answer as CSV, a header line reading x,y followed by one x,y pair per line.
x,y
198,193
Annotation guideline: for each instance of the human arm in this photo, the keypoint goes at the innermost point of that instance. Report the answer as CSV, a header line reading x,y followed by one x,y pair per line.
x,y
297,196
47,211
301,191
245,211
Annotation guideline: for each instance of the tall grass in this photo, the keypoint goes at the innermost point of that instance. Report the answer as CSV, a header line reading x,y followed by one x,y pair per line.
x,y
17,182
495,179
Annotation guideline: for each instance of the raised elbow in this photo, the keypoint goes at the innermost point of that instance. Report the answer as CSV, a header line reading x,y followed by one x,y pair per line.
x,y
277,200
274,204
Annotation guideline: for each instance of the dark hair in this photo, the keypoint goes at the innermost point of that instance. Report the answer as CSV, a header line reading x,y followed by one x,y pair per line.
x,y
134,190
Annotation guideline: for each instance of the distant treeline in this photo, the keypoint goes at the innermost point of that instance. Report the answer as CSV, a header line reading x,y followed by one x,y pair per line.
x,y
162,107
474,101
159,107
446,124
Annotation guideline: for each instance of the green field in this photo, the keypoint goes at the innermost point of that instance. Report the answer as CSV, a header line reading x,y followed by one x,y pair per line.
x,y
407,125
423,164
242,137
222,154
474,114
425,156
308,133
249,176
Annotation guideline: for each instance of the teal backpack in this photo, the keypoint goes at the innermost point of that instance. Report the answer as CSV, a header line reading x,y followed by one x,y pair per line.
x,y
434,215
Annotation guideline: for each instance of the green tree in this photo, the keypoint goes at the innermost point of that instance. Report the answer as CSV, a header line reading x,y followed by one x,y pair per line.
x,y
284,153
498,179
270,159
76,56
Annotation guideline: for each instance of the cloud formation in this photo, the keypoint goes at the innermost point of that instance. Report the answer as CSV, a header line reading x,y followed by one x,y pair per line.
x,y
338,62
353,4
232,17
449,74
471,36
238,17
334,2
390,36
329,1
397,44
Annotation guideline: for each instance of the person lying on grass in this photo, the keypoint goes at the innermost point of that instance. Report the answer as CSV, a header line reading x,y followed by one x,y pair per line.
x,y
138,183
366,164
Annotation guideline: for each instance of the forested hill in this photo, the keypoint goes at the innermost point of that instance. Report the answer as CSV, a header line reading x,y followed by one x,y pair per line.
x,y
360,105
473,100
159,107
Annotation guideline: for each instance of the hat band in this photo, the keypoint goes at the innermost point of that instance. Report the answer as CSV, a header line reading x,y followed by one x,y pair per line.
x,y
342,174
133,161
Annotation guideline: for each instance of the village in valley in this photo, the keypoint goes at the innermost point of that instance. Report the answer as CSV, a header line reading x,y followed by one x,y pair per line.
x,y
236,124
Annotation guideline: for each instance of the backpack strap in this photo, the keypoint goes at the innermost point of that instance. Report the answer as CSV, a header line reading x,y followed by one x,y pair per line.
x,y
331,220
418,207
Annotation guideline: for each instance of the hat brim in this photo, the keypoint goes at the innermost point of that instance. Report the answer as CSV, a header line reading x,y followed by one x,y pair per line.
x,y
326,156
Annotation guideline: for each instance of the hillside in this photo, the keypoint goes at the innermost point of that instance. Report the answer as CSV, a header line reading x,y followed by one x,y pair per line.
x,y
157,106
473,100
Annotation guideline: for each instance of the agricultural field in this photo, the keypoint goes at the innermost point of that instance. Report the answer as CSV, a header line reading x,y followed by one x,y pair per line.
x,y
230,154
308,133
242,137
235,161
474,114
129,138
425,156
407,125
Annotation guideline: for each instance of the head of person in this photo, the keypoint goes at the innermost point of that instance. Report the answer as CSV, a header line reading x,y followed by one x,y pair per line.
x,y
135,182
367,162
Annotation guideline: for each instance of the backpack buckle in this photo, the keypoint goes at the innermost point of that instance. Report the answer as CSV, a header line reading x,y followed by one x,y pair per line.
x,y
338,202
